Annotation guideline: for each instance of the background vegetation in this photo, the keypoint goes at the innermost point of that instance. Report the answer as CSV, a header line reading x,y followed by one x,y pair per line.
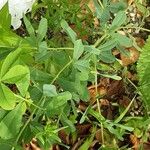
x,y
75,75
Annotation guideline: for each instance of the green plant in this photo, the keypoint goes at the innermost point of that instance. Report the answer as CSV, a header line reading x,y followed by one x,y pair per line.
x,y
143,73
41,83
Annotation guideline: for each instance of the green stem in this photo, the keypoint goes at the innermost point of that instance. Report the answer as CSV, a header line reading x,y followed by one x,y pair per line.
x,y
61,71
98,105
101,4
125,111
25,125
61,48
100,40
30,102
56,48
140,28
40,103
35,48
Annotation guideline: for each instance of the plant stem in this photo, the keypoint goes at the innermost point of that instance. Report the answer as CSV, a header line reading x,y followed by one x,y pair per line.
x,y
61,48
56,48
100,40
140,28
25,125
30,102
61,71
125,111
35,48
97,100
41,101
101,4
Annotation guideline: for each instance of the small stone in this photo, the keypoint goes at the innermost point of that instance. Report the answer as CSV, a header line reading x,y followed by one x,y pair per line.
x,y
132,14
121,32
129,30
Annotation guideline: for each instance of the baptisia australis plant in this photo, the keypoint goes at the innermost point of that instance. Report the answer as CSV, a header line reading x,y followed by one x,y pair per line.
x,y
17,8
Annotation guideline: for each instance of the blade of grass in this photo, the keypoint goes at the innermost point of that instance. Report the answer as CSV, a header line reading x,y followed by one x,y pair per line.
x,y
125,111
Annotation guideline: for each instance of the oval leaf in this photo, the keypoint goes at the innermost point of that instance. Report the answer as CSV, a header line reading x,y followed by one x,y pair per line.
x,y
15,74
7,98
9,62
120,19
78,49
11,123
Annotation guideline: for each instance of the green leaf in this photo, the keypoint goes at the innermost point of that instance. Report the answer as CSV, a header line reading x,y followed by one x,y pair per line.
x,y
58,102
88,142
106,51
81,88
11,123
143,9
107,57
15,74
68,30
40,76
9,62
29,27
92,49
7,98
123,50
43,53
98,9
119,20
5,21
42,29
143,69
23,84
105,16
115,77
114,130
82,65
9,41
110,44
117,6
66,122
144,64
84,116
125,127
49,90
78,49
122,39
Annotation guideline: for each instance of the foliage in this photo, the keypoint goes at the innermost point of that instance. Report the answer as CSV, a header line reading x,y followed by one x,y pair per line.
x,y
143,73
43,78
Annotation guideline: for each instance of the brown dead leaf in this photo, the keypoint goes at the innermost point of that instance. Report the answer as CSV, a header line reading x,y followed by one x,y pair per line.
x,y
127,60
106,109
77,144
135,141
116,89
55,147
32,146
83,129
64,136
101,89
98,135
124,102
93,145
134,53
146,146
140,42
132,77
82,106
104,102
